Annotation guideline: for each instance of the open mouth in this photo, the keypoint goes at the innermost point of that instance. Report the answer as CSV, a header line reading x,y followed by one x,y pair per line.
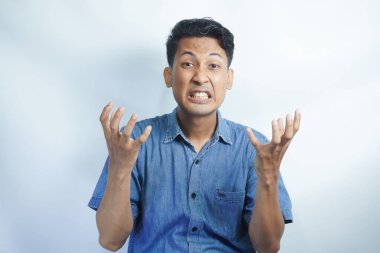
x,y
201,95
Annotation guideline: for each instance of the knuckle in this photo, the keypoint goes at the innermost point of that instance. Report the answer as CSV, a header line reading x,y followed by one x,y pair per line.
x,y
140,141
265,156
125,148
102,118
114,128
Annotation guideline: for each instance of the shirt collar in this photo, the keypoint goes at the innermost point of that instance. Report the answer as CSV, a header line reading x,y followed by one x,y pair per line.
x,y
173,130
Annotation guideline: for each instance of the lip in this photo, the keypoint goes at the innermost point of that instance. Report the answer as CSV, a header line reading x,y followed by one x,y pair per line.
x,y
199,100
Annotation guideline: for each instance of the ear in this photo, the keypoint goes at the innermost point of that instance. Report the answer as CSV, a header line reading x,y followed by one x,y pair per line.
x,y
168,77
230,79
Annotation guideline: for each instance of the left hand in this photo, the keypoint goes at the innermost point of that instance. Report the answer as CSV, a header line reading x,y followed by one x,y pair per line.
x,y
269,156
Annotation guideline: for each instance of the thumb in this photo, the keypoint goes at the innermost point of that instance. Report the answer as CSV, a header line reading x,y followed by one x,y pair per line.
x,y
253,138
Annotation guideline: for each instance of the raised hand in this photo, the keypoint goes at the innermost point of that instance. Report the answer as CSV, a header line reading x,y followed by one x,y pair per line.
x,y
122,148
269,156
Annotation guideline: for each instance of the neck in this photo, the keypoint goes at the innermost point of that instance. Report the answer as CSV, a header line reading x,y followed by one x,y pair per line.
x,y
197,129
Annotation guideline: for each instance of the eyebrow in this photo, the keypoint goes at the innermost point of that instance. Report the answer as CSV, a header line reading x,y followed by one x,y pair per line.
x,y
193,55
189,53
216,54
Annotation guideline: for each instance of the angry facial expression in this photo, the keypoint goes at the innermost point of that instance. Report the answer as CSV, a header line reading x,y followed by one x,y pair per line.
x,y
199,76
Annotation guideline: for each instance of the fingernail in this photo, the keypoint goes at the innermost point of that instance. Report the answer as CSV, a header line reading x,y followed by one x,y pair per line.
x,y
134,116
109,103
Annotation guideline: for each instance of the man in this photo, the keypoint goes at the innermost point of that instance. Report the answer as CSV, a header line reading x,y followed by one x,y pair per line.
x,y
191,181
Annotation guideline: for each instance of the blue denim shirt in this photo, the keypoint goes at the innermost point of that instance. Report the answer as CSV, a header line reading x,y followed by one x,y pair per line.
x,y
184,201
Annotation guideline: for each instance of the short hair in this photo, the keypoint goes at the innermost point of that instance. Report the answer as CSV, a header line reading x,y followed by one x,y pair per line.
x,y
199,27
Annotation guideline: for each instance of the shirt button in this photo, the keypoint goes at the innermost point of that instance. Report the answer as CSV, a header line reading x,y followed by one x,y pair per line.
x,y
194,229
193,195
197,161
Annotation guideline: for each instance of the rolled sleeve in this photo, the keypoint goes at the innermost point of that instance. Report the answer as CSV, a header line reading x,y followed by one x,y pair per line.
x,y
283,196
100,188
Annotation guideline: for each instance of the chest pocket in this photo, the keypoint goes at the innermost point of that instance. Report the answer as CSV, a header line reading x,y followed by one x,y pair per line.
x,y
227,213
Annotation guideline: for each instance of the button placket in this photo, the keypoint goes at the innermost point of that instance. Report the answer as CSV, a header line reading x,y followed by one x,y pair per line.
x,y
196,219
196,222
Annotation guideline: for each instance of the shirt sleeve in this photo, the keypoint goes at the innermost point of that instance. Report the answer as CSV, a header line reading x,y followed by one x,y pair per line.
x,y
283,196
100,188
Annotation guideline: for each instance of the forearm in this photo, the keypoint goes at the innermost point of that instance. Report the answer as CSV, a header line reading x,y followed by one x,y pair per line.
x,y
267,225
114,216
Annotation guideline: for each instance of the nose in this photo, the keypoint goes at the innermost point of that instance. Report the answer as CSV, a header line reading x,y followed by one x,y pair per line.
x,y
200,76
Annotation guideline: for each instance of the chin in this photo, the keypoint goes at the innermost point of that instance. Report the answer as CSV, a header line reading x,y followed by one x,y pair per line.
x,y
199,112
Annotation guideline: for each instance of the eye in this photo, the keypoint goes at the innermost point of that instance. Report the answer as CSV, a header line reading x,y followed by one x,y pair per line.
x,y
187,65
214,66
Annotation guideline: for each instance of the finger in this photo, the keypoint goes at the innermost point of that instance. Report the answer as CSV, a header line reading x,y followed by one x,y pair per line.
x,y
104,119
129,127
145,135
115,122
276,135
296,124
251,136
280,125
297,121
105,112
283,150
288,128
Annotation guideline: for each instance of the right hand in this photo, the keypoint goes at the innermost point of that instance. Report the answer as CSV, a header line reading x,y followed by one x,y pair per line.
x,y
123,150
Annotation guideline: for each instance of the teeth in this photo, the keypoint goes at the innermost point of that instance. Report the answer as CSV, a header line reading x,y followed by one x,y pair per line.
x,y
200,95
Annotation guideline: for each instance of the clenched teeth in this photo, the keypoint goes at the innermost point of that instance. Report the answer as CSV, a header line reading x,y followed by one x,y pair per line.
x,y
200,95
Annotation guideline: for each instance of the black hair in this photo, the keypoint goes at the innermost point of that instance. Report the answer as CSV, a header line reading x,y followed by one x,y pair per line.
x,y
199,27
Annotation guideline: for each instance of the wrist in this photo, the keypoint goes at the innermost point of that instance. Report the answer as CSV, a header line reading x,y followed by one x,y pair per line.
x,y
116,176
267,181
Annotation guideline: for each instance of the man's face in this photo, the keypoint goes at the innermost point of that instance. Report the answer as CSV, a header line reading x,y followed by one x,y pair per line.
x,y
199,76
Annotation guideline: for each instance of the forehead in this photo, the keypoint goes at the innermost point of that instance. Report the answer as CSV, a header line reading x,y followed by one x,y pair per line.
x,y
200,46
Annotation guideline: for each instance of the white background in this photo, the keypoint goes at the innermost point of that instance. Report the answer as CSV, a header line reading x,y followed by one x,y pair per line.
x,y
61,61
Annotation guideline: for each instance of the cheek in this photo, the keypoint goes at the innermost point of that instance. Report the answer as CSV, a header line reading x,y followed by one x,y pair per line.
x,y
220,76
220,82
179,85
180,78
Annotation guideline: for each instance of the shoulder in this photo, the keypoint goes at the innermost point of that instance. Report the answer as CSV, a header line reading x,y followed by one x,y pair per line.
x,y
152,121
158,124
